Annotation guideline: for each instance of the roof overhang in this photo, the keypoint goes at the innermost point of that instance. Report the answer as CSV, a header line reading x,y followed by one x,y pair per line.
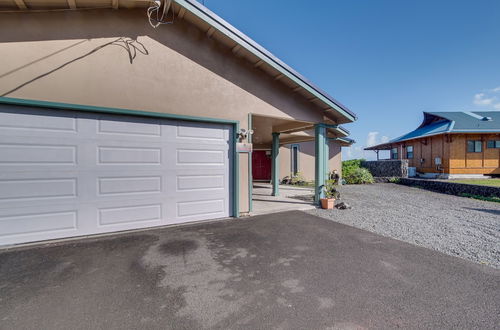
x,y
344,142
265,57
216,28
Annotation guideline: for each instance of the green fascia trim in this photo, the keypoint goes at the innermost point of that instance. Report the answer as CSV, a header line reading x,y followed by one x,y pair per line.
x,y
250,170
343,140
222,29
342,131
337,128
118,111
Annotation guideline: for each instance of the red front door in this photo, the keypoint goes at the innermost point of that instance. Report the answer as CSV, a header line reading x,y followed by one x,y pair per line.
x,y
261,165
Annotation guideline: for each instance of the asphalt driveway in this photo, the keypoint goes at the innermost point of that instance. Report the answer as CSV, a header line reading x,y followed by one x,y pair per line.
x,y
283,271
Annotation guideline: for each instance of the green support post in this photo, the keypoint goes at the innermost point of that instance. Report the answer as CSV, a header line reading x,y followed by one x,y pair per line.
x,y
275,171
320,174
327,158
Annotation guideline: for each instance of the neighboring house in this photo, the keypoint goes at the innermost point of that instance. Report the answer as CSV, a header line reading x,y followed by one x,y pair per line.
x,y
107,124
453,144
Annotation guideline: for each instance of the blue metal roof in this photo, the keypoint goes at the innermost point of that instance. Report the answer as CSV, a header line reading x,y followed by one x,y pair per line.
x,y
439,127
435,123
468,121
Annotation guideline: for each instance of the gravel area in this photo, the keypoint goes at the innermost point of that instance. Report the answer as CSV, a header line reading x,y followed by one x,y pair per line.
x,y
457,226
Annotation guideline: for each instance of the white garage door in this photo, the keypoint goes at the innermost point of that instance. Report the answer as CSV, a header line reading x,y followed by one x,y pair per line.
x,y
67,173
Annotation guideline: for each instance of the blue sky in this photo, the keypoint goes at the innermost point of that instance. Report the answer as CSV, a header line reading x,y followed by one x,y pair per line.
x,y
387,60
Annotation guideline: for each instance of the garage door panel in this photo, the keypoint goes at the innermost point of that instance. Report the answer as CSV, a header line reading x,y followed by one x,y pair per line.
x,y
208,207
128,128
201,131
40,225
31,122
190,156
127,155
37,189
200,182
130,214
127,185
31,154
83,173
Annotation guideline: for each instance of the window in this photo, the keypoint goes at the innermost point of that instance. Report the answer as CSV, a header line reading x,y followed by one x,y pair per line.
x,y
474,146
394,153
295,159
493,144
409,152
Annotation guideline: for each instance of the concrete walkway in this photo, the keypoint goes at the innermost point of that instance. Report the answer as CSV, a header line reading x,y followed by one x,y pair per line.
x,y
291,198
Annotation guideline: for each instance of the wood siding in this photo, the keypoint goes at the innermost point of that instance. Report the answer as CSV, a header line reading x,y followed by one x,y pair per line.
x,y
452,149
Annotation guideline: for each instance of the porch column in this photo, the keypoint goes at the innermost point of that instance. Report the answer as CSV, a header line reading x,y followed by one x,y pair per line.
x,y
320,148
275,168
327,158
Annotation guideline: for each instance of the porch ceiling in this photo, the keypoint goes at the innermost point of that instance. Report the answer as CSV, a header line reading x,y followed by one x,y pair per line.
x,y
291,131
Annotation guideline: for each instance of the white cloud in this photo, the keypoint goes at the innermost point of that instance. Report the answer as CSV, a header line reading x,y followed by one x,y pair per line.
x,y
483,99
356,152
488,97
371,139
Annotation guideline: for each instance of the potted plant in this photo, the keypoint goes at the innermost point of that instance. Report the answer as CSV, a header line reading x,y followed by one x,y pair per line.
x,y
331,194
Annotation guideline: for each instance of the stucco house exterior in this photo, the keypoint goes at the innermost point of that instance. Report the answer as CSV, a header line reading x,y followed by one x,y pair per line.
x,y
451,144
108,124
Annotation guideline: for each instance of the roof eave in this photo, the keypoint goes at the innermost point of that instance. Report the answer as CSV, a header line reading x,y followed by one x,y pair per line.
x,y
344,142
245,42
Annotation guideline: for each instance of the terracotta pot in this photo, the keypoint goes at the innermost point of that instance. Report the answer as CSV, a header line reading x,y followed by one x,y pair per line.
x,y
327,203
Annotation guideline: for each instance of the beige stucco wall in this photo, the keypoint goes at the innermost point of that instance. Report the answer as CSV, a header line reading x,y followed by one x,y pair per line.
x,y
307,159
335,160
81,57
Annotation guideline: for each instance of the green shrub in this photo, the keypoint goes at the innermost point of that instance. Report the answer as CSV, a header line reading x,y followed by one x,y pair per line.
x,y
359,176
353,173
297,179
330,189
394,180
349,166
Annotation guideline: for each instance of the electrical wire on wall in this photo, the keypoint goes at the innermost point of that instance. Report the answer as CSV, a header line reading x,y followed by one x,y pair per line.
x,y
158,13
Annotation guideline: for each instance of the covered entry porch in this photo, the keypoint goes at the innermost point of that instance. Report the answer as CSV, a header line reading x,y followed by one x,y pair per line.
x,y
276,152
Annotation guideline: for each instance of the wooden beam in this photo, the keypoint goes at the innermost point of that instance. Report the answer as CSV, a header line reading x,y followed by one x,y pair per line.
x,y
210,32
72,4
299,129
115,4
292,127
312,99
259,63
296,139
236,49
182,12
296,89
278,77
21,4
